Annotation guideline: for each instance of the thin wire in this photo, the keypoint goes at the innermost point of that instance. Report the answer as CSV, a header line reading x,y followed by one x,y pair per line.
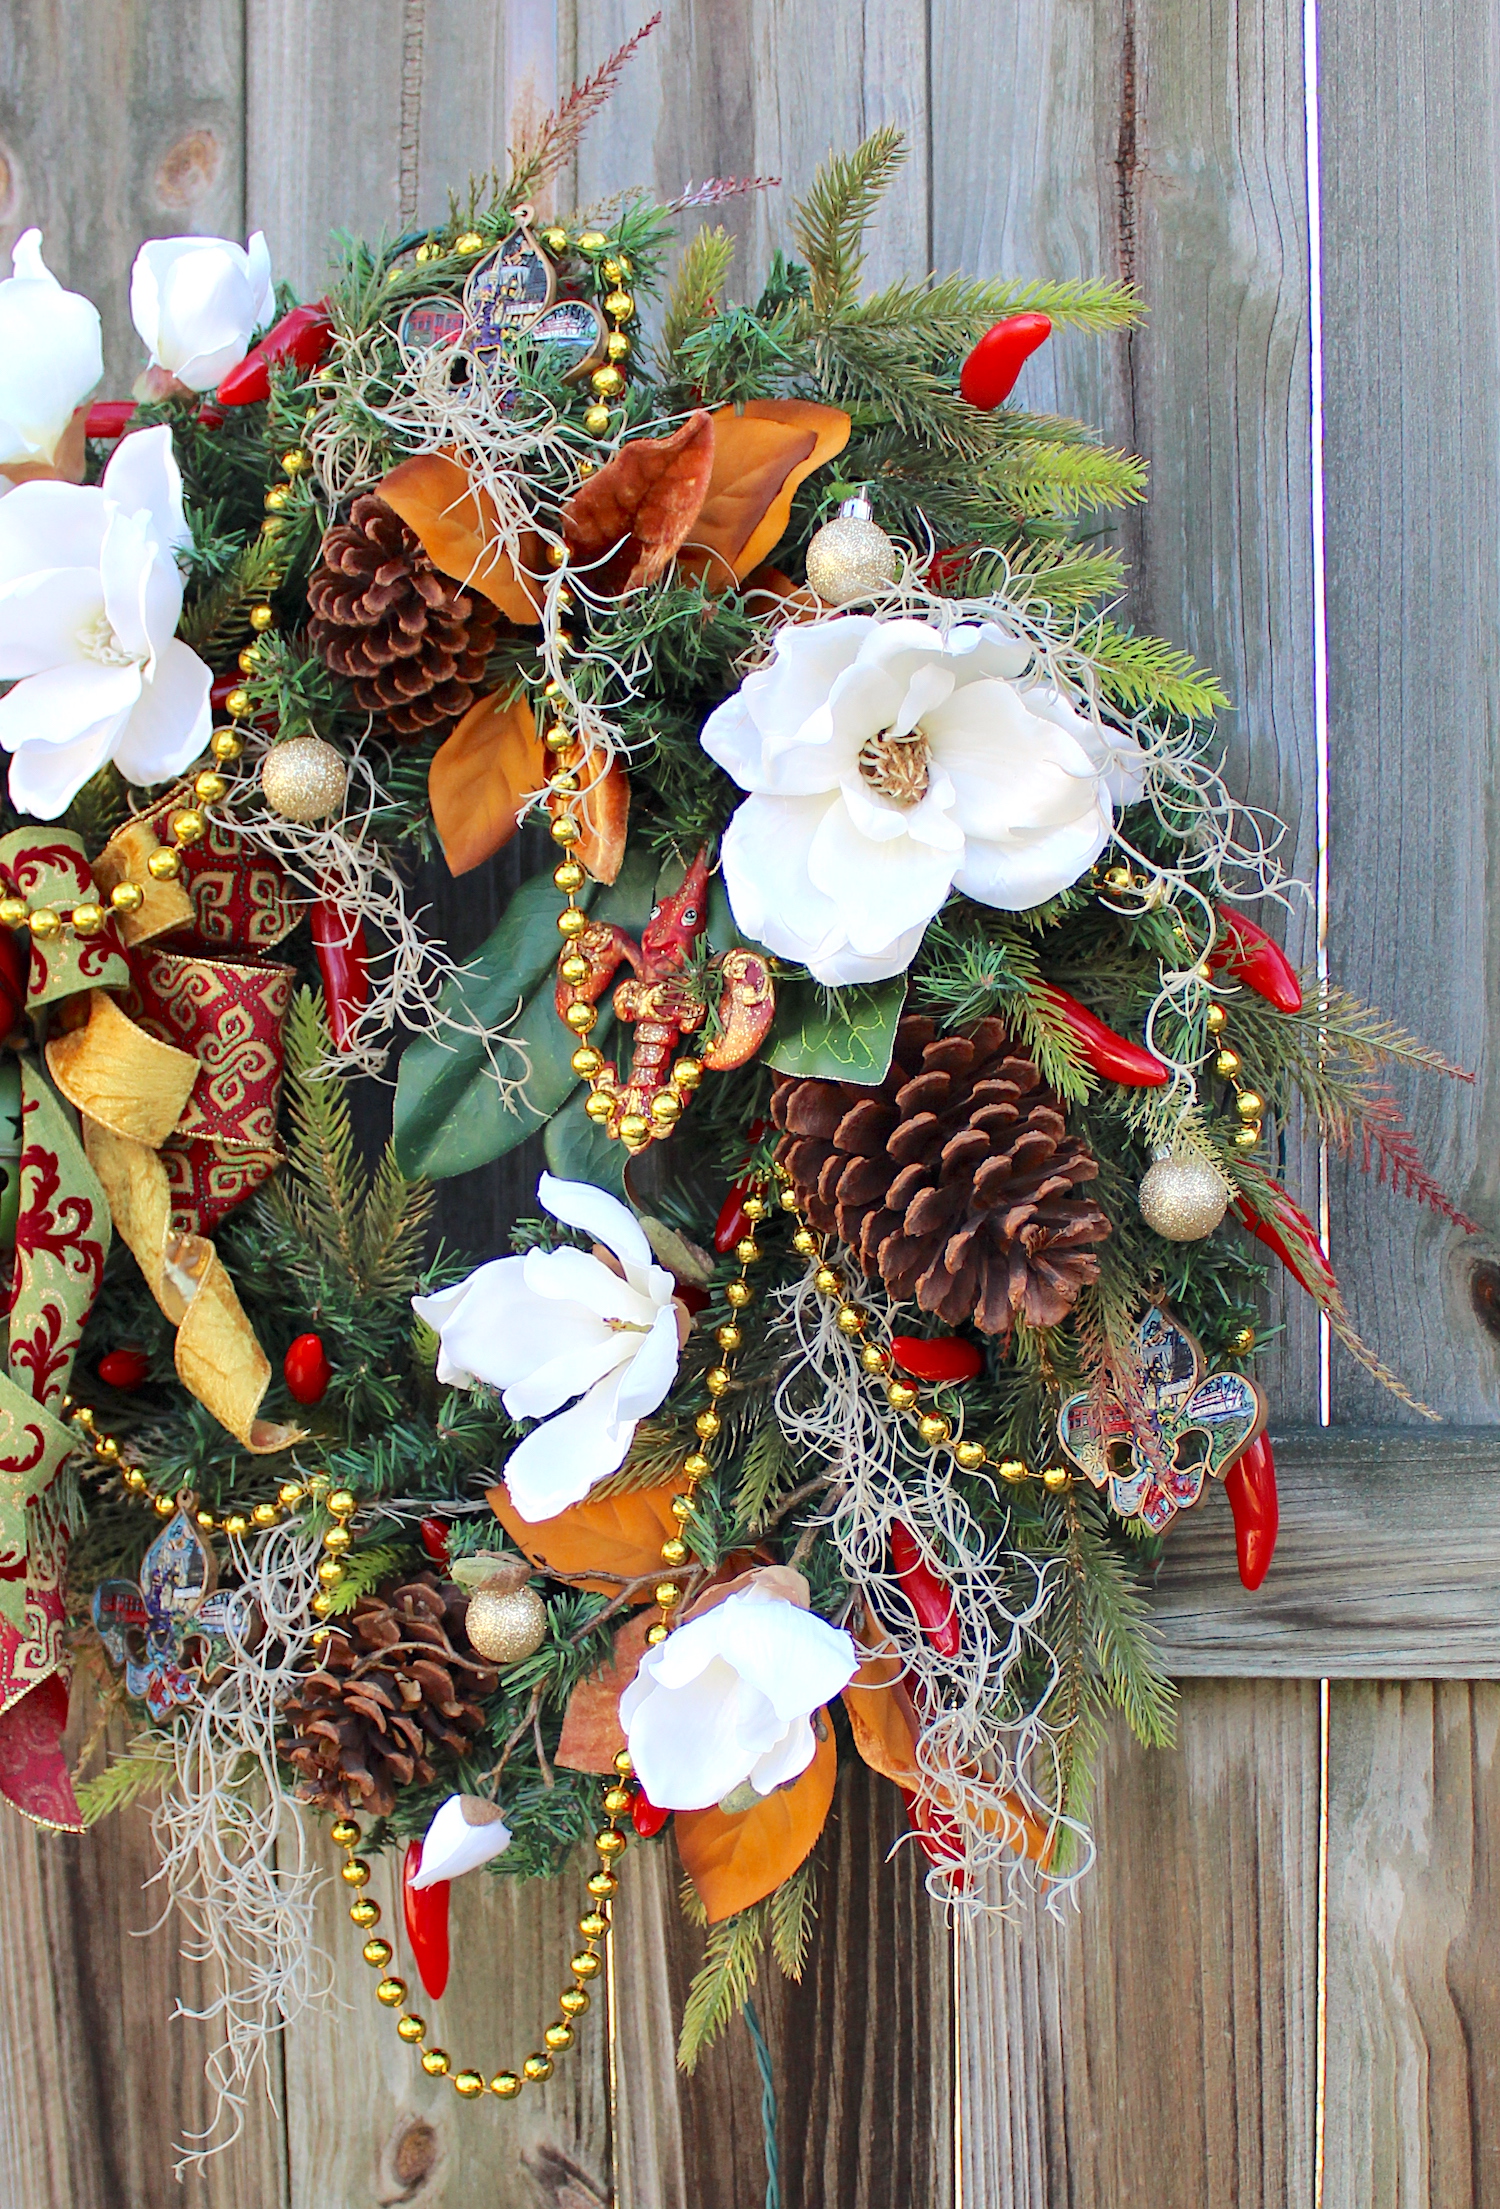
x,y
1319,606
1320,2088
767,2104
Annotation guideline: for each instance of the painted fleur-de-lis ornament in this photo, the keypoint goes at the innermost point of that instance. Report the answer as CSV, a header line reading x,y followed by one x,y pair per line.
x,y
509,299
170,1630
1154,1455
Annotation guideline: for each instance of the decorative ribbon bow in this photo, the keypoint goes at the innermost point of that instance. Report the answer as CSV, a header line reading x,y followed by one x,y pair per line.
x,y
1155,1454
173,1058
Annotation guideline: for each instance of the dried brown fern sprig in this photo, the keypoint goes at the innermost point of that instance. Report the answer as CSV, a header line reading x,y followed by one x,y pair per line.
x,y
550,144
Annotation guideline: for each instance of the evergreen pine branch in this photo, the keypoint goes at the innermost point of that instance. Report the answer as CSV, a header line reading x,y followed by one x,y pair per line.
x,y
764,1468
830,224
145,1766
1126,1642
323,1185
393,1230
696,288
1144,674
364,1569
952,312
722,1983
794,1908
1064,479
1065,577
547,147
216,620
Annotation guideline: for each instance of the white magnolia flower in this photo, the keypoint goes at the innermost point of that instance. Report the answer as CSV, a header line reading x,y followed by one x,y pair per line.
x,y
51,355
558,1324
197,303
888,764
729,1698
90,594
466,1832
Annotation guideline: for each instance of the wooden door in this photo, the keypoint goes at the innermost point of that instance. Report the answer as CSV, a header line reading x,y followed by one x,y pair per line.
x,y
1283,1983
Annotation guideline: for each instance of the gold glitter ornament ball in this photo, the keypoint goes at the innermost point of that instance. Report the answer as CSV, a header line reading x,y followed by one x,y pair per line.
x,y
506,1624
1183,1197
851,556
303,779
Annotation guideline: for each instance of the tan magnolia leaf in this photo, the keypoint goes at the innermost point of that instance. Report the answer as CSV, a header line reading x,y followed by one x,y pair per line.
x,y
595,1544
738,1857
624,523
459,531
592,1736
762,452
478,777
882,1716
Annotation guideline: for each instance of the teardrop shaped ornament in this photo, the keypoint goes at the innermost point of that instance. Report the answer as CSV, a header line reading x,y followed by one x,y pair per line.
x,y
506,292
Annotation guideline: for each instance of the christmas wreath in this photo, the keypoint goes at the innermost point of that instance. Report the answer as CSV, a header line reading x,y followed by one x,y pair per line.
x,y
885,993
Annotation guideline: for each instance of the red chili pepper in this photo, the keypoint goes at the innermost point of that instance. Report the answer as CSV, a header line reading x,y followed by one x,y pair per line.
x,y
938,1836
108,419
1251,956
929,1596
1295,1241
434,1538
343,962
989,374
732,1224
692,1297
304,336
219,689
644,1814
123,1368
1250,1485
937,1358
307,1369
426,1913
1110,1055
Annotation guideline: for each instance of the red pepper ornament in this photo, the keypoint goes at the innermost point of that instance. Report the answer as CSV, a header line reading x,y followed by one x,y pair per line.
x,y
307,1369
940,1360
929,1596
1250,1485
107,419
426,1913
433,1534
344,964
1113,1057
304,336
1295,1241
645,1815
1252,957
989,374
123,1368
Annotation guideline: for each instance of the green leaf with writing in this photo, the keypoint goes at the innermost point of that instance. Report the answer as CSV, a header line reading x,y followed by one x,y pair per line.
x,y
836,1035
466,1097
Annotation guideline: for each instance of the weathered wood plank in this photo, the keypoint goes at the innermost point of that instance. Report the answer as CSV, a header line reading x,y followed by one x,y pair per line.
x,y
119,123
1413,2097
1387,1565
1157,2043
860,2049
1162,142
759,88
365,2121
1412,284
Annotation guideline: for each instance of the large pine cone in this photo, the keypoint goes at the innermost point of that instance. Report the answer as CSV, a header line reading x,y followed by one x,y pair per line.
x,y
412,642
397,1680
953,1181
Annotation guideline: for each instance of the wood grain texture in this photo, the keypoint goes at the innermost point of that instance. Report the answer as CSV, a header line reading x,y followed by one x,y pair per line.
x,y
1157,2044
1413,1983
1387,1565
1162,142
368,2126
1411,289
860,2048
119,122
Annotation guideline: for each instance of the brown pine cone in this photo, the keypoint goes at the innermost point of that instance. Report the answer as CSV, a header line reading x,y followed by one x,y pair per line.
x,y
953,1181
412,642
397,1679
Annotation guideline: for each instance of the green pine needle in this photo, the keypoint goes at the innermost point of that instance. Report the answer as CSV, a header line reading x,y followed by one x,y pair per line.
x,y
831,222
794,1908
145,1766
722,1983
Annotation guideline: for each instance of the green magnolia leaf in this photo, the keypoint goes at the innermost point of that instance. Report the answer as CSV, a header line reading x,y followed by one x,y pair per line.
x,y
579,1150
461,1099
836,1035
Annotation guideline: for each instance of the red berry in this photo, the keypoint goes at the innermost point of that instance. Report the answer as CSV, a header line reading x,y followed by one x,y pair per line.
x,y
989,374
936,1358
645,1816
434,1535
123,1368
307,1369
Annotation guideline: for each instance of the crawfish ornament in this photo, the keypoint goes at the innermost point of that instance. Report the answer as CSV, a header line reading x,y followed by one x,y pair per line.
x,y
668,993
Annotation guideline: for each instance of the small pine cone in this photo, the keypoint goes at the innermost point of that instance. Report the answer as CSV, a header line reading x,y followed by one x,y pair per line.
x,y
396,1680
953,1182
413,643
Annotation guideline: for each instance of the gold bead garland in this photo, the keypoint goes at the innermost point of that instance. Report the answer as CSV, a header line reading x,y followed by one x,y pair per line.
x,y
585,1965
934,1428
